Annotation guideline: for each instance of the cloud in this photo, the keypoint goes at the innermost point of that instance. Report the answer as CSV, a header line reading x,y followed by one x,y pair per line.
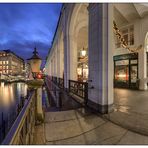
x,y
26,25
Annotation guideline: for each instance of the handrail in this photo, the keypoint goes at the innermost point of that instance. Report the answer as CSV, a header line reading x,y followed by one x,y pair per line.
x,y
79,89
20,121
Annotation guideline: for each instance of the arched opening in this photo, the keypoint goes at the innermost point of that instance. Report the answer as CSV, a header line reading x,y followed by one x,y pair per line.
x,y
78,39
82,46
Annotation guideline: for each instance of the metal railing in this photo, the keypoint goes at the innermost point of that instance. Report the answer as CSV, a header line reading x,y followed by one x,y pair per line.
x,y
22,129
54,89
54,80
7,119
60,83
79,89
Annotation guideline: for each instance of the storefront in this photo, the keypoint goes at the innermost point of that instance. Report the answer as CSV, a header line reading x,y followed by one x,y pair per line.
x,y
82,66
126,71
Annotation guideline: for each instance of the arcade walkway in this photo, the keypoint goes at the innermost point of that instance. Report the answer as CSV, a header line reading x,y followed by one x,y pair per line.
x,y
126,125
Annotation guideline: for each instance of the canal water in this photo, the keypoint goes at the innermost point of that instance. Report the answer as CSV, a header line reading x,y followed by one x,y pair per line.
x,y
11,96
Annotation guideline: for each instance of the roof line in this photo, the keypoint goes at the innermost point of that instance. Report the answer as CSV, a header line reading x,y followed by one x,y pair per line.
x,y
10,51
56,29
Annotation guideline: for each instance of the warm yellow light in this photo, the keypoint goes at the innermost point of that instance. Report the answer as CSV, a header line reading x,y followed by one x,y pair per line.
x,y
121,75
79,71
83,52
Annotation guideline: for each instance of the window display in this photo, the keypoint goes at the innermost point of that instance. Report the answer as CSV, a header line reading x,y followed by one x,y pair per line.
x,y
121,73
126,71
82,68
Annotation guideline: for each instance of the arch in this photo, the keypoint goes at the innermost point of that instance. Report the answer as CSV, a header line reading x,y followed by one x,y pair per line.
x,y
78,20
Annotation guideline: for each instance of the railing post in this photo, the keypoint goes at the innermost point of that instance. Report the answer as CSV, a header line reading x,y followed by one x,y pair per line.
x,y
69,88
3,126
59,99
86,93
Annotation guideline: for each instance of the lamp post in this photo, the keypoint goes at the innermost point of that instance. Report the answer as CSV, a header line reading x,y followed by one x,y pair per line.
x,y
35,63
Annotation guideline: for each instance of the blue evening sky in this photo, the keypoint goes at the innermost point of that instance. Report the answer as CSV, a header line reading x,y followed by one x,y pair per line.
x,y
26,25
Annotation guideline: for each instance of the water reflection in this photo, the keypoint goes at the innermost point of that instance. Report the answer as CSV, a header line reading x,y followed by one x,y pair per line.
x,y
10,98
10,94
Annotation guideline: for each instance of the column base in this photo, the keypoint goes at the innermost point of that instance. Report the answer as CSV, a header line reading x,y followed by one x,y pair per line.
x,y
103,109
143,84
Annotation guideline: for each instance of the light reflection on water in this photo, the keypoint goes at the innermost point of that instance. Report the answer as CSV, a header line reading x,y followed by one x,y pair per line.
x,y
10,94
10,98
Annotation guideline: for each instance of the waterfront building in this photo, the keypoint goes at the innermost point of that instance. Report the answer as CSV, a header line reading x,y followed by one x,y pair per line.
x,y
103,44
10,63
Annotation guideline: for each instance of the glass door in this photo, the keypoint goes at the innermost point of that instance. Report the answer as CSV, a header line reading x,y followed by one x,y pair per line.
x,y
133,76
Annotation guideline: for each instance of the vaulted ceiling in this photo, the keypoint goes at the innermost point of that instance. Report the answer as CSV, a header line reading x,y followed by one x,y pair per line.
x,y
125,13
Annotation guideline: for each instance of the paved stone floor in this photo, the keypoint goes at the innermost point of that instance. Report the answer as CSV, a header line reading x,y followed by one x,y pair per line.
x,y
67,102
130,110
75,127
127,124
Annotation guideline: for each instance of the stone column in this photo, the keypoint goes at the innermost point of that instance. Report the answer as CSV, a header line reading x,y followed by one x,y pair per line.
x,y
73,57
40,115
49,69
58,60
61,59
54,65
66,62
100,57
142,69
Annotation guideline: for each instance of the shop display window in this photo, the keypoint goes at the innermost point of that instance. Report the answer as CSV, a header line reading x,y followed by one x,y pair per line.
x,y
122,73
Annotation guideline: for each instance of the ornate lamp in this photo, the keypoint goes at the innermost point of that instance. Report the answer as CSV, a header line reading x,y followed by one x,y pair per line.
x,y
35,63
83,52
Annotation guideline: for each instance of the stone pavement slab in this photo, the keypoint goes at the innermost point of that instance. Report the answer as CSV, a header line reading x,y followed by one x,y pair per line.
x,y
130,110
89,129
134,138
65,129
39,135
66,115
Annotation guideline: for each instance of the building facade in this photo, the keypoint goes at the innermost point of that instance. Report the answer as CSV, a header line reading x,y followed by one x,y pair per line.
x,y
103,44
10,63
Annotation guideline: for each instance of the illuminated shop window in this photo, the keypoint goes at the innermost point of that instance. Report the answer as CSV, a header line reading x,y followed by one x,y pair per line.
x,y
122,71
82,67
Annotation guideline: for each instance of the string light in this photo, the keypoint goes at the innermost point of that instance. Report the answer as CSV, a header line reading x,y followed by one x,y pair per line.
x,y
122,40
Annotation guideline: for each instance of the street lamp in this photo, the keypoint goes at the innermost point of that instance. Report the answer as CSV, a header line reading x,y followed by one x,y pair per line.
x,y
35,63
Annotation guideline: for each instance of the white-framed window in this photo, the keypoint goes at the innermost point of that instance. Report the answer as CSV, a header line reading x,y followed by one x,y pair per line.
x,y
128,35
